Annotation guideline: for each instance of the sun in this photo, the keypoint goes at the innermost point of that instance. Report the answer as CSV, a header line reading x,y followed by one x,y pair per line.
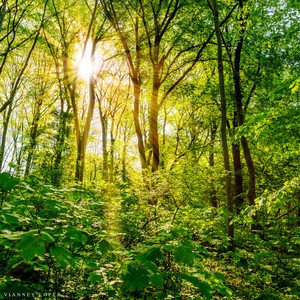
x,y
85,68
86,65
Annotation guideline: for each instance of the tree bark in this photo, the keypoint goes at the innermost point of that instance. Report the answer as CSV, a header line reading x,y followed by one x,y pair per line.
x,y
213,192
153,134
62,134
230,227
33,135
137,125
239,109
2,13
238,170
6,117
82,143
103,120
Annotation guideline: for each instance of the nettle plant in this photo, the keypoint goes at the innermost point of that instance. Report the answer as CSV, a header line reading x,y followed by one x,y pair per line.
x,y
51,239
169,264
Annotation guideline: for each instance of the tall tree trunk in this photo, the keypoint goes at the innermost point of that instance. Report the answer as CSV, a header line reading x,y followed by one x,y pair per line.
x,y
230,227
62,128
137,125
244,141
238,172
103,120
213,192
153,136
124,154
251,171
239,108
33,135
112,151
6,120
2,13
81,149
162,158
62,134
153,118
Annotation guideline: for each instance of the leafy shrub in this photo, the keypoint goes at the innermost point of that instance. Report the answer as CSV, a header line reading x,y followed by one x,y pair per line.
x,y
48,242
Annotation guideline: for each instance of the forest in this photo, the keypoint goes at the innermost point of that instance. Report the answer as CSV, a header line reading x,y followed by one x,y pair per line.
x,y
149,149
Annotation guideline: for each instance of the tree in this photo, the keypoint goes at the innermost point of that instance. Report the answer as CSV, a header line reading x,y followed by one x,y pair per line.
x,y
70,79
13,25
226,158
170,60
112,95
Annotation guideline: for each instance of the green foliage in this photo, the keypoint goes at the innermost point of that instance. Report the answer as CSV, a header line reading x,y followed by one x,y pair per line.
x,y
7,182
157,235
164,266
45,235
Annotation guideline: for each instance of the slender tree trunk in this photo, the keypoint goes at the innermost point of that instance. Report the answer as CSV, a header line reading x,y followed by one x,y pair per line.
x,y
112,152
238,173
63,124
103,120
62,134
153,120
240,112
124,154
33,135
162,158
230,227
2,13
213,192
251,171
137,126
18,150
104,148
153,135
81,150
6,117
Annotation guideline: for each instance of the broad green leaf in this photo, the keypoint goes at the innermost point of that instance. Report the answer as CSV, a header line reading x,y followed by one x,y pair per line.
x,y
204,288
150,266
17,235
62,255
157,280
7,182
184,254
220,276
104,247
76,235
91,263
10,219
153,253
46,237
136,277
31,246
94,278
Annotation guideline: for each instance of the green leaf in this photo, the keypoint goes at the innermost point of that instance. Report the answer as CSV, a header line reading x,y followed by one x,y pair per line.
x,y
10,219
94,278
46,237
7,182
62,255
91,263
153,253
104,247
204,288
184,254
157,280
220,276
136,277
31,246
17,235
76,235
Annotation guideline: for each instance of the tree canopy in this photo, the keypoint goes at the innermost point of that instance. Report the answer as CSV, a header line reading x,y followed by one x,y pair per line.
x,y
149,149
